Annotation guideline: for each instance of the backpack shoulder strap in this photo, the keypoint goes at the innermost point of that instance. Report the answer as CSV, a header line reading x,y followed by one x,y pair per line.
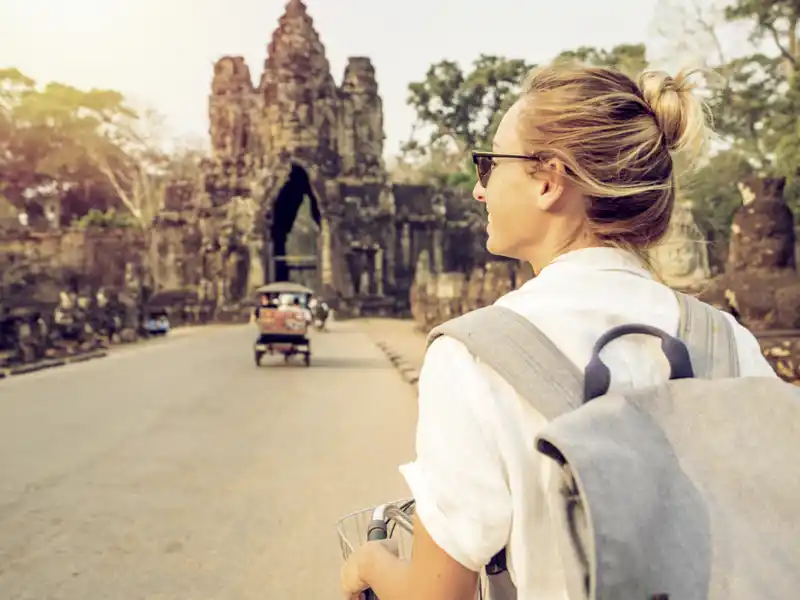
x,y
709,337
521,354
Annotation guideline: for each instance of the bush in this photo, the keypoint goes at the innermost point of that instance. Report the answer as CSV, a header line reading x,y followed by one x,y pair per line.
x,y
110,219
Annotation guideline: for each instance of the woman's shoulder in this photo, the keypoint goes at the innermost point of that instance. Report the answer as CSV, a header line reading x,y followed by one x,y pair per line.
x,y
446,355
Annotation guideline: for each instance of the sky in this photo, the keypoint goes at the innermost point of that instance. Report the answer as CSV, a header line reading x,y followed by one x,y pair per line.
x,y
160,53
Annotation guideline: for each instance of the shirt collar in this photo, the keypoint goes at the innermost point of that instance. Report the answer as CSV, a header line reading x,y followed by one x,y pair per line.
x,y
600,259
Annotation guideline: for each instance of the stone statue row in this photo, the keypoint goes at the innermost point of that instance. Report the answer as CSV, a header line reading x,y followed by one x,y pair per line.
x,y
78,323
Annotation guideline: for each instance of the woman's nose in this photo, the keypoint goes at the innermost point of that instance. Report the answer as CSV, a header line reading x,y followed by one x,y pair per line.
x,y
479,192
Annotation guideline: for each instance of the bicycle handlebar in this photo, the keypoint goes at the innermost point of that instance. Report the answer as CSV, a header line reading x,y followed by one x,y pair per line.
x,y
377,529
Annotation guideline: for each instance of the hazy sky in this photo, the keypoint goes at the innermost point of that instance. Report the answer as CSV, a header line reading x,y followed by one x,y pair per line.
x,y
160,52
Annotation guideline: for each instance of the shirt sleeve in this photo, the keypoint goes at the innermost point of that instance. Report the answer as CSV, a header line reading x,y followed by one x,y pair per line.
x,y
458,478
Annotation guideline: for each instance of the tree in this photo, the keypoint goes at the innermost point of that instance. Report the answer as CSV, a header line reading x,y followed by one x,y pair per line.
x,y
631,59
753,96
464,107
713,190
456,111
753,91
93,149
776,23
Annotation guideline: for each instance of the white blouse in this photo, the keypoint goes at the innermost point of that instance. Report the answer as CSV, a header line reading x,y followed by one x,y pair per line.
x,y
478,481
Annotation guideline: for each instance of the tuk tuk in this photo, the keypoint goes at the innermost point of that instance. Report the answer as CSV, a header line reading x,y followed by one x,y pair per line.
x,y
283,321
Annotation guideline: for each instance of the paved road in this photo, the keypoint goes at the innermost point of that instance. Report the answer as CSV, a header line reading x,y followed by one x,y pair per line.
x,y
177,470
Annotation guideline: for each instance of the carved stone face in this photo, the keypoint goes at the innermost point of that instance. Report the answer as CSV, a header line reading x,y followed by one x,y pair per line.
x,y
679,259
225,67
682,258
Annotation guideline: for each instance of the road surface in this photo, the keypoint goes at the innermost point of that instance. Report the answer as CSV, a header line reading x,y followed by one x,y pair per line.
x,y
178,470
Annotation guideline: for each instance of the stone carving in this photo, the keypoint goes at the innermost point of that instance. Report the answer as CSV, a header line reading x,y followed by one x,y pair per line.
x,y
760,286
405,244
378,271
762,233
681,259
327,263
232,107
242,214
361,125
363,283
422,273
59,290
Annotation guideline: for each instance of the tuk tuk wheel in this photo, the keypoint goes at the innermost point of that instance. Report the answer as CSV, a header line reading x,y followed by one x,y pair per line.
x,y
308,359
258,356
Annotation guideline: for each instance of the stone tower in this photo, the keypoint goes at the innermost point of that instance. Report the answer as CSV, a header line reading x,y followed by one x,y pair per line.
x,y
233,107
361,133
299,137
299,96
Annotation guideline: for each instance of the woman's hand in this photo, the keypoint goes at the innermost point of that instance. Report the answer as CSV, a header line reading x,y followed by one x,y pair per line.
x,y
431,574
354,568
351,581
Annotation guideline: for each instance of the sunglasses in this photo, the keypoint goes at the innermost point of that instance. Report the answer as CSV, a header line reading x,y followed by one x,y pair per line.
x,y
484,163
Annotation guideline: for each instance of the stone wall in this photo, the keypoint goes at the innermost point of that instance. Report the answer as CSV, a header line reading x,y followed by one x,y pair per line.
x,y
435,298
94,258
66,292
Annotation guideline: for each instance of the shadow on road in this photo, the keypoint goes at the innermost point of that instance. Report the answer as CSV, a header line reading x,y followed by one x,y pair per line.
x,y
329,362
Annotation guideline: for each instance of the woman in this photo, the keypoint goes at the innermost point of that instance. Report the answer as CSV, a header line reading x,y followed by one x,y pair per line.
x,y
580,183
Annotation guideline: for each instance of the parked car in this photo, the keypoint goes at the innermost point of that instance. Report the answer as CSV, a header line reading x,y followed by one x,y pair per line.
x,y
157,323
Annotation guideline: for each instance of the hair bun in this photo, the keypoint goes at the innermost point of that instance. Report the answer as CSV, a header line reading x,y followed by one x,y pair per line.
x,y
681,116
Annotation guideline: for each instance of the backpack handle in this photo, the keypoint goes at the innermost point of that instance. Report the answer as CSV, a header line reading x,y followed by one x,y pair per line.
x,y
597,377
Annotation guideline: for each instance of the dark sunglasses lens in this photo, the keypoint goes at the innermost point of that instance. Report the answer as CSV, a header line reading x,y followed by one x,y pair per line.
x,y
483,164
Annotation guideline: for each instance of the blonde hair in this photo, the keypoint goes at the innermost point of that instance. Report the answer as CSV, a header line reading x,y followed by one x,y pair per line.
x,y
618,140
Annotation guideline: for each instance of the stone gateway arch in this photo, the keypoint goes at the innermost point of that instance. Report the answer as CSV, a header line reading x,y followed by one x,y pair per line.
x,y
297,165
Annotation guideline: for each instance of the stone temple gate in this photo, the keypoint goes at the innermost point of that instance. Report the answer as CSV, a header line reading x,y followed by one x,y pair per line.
x,y
297,171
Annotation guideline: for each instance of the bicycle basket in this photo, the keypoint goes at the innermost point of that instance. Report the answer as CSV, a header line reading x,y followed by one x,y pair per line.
x,y
352,529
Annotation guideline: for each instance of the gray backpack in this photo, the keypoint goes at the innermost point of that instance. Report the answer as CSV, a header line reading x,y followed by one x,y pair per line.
x,y
689,490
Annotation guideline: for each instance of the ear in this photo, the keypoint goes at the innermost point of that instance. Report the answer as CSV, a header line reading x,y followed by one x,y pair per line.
x,y
552,181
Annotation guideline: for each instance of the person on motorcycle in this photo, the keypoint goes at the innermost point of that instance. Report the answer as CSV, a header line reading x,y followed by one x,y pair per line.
x,y
320,311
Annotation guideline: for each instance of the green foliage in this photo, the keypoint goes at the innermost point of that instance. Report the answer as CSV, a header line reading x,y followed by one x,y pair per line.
x,y
758,110
744,108
465,106
110,219
714,192
631,59
52,132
